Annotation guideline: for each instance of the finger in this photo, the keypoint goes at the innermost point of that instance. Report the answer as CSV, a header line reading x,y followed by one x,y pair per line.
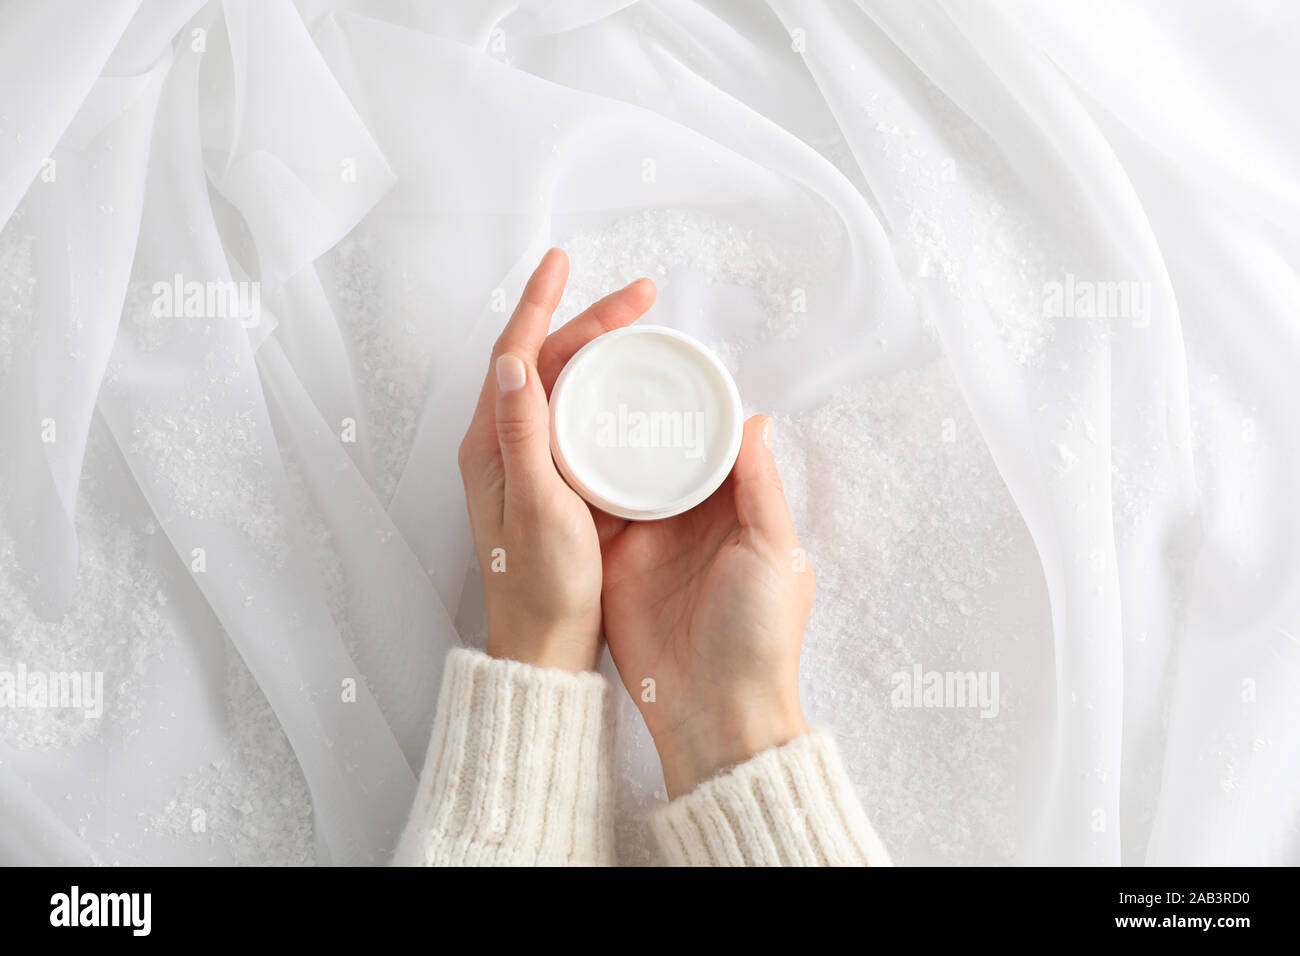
x,y
612,312
523,428
760,499
523,335
526,331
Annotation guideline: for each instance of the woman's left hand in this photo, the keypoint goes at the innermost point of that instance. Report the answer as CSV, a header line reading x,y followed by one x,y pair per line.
x,y
537,541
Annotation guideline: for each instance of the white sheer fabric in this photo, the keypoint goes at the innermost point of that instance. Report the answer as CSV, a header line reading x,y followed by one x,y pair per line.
x,y
866,207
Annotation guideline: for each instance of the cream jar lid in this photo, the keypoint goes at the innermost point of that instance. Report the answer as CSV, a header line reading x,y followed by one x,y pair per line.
x,y
646,422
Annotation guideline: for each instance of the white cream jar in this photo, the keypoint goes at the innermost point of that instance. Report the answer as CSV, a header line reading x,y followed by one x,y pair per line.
x,y
645,422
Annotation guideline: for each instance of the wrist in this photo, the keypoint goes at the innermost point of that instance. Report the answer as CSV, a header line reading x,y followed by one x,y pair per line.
x,y
574,648
716,741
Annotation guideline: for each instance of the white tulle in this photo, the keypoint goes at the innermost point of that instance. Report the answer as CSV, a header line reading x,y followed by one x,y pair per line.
x,y
847,200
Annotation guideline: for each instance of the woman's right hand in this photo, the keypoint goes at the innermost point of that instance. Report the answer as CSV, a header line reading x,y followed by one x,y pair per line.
x,y
705,613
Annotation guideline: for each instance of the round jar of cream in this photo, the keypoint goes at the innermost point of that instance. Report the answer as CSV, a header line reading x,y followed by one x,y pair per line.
x,y
645,422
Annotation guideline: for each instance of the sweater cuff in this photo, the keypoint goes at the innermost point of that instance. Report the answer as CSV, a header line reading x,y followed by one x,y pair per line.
x,y
792,805
519,771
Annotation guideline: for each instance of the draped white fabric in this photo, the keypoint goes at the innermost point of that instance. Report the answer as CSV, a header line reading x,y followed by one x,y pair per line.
x,y
252,523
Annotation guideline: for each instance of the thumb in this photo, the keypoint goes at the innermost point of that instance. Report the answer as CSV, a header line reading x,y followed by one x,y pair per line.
x,y
760,498
523,426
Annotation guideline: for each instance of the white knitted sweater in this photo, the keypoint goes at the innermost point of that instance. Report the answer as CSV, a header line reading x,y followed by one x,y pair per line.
x,y
520,771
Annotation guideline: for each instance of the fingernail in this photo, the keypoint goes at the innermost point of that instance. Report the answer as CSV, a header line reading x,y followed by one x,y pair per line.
x,y
511,373
767,433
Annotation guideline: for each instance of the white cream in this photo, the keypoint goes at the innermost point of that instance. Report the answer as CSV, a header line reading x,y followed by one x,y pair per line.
x,y
645,422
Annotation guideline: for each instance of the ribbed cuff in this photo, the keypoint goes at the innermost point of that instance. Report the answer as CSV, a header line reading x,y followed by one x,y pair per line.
x,y
792,805
519,772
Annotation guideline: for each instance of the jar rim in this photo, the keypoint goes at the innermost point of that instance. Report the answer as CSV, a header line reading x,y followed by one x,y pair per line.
x,y
733,412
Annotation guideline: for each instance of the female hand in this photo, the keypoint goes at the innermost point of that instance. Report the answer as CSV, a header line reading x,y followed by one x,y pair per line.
x,y
711,606
536,540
